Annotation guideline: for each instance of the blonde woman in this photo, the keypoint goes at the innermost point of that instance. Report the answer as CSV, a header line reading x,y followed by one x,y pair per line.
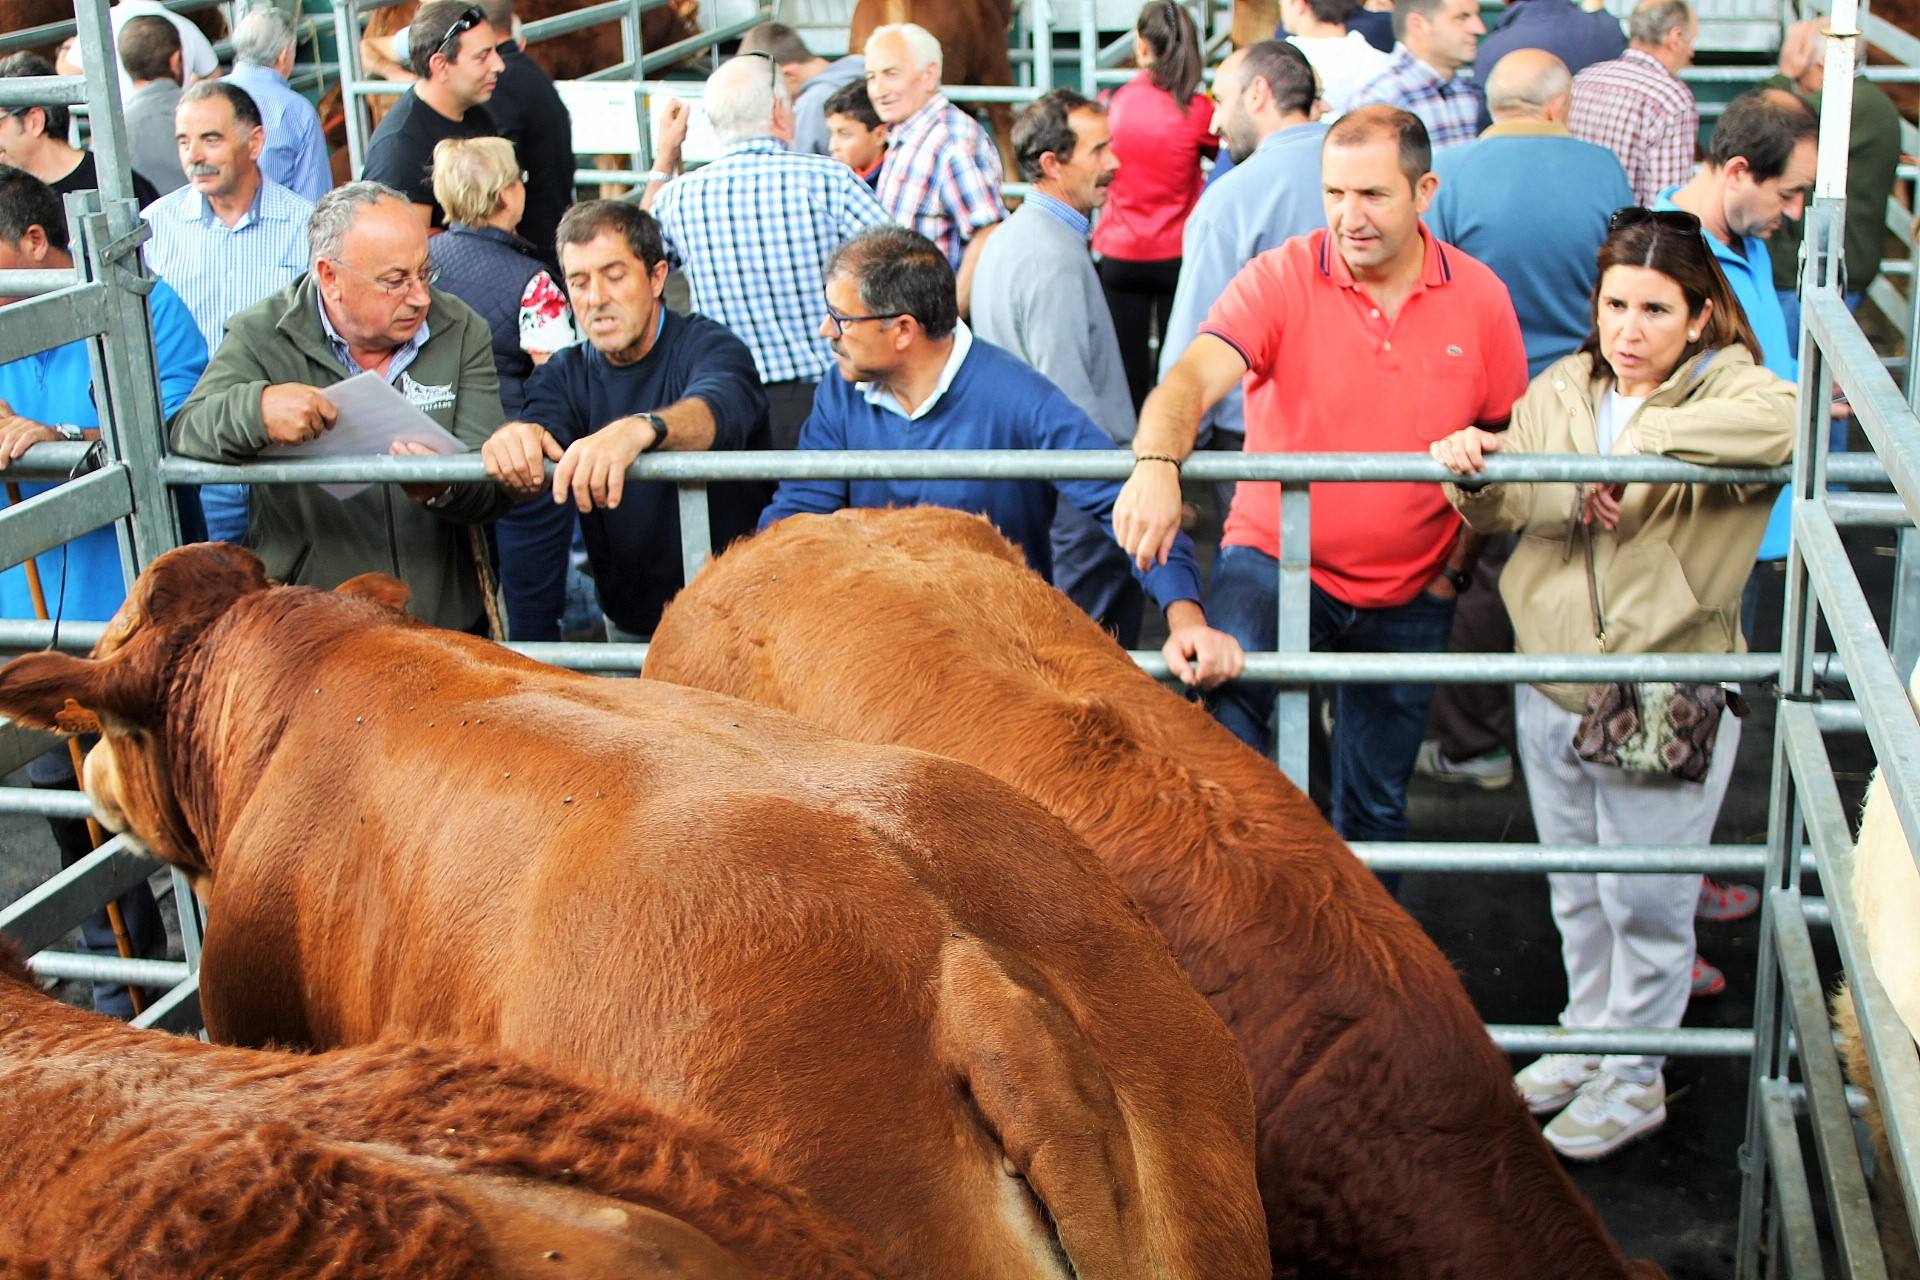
x,y
483,261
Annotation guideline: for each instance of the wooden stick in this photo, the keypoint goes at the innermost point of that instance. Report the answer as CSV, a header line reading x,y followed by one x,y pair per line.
x,y
122,940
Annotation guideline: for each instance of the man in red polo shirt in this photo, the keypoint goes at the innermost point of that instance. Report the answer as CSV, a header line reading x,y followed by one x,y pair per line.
x,y
1367,337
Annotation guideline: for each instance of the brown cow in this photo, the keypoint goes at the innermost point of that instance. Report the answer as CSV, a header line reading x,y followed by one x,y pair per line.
x,y
140,1155
905,986
973,49
1391,1142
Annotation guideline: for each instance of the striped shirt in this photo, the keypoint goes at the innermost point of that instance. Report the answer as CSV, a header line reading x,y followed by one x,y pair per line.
x,y
1449,108
753,231
296,150
942,177
219,270
1644,114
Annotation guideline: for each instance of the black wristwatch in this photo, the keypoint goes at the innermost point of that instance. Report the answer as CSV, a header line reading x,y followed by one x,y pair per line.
x,y
1460,579
659,425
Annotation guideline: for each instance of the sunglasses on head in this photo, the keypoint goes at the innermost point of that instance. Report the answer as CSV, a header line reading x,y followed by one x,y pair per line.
x,y
773,68
470,17
1672,219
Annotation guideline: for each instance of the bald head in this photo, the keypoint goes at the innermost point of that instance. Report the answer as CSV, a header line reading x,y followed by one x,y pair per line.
x,y
1529,84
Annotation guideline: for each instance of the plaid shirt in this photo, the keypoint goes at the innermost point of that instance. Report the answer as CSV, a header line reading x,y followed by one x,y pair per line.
x,y
753,231
1449,108
1644,114
942,177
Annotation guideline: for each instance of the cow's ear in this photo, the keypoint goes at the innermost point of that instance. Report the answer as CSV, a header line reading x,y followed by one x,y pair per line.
x,y
51,691
189,584
379,588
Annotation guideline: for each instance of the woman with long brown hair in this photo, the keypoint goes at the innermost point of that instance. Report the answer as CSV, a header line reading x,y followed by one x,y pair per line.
x,y
1161,126
1671,367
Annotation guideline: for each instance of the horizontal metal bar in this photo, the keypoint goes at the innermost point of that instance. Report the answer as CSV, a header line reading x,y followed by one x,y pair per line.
x,y
49,911
45,802
1792,1193
1878,406
1848,1206
1890,38
42,91
1874,510
90,968
26,284
52,319
55,460
64,513
1503,668
1839,716
177,1011
1473,856
1703,1042
999,464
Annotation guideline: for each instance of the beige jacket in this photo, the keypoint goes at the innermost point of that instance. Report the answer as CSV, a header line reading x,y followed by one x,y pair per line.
x,y
1670,575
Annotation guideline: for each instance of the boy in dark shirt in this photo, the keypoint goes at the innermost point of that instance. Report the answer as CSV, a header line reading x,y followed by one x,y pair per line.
x,y
646,378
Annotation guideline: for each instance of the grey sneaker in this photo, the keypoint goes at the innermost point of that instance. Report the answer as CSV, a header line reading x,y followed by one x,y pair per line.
x,y
1551,1082
1489,772
1606,1115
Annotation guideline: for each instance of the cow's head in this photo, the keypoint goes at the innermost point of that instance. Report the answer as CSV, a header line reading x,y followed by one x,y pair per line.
x,y
122,691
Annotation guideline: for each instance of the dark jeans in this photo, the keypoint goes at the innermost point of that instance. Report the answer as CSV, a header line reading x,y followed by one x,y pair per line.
x,y
1473,719
145,929
1376,727
533,539
789,404
1140,297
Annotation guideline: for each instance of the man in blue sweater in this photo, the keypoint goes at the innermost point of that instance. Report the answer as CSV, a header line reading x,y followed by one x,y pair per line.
x,y
912,376
647,378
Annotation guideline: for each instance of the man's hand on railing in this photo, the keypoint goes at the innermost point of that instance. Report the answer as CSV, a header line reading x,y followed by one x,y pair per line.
x,y
1465,451
516,457
1196,654
414,449
594,467
17,434
1146,516
294,413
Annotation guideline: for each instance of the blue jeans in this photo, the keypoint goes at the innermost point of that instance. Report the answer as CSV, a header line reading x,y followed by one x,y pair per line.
x,y
1376,727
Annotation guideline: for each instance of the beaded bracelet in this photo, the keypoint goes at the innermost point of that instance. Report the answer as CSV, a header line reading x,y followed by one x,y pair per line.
x,y
1139,458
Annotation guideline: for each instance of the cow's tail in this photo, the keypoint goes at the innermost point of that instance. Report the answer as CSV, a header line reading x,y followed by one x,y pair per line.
x,y
1066,1194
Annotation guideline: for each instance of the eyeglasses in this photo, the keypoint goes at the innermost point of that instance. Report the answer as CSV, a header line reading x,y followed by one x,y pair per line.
x,y
470,17
1672,219
391,286
841,322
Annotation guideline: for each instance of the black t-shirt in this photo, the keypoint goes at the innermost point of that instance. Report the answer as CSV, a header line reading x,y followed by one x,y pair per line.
x,y
85,177
401,152
527,111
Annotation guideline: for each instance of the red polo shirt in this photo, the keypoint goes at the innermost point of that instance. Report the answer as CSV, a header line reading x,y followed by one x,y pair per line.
x,y
1327,372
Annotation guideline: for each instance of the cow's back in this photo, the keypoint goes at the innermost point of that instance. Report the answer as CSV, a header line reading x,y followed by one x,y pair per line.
x,y
1391,1142
818,942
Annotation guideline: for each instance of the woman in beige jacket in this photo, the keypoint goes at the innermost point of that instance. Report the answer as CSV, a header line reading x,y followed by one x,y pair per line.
x,y
1671,368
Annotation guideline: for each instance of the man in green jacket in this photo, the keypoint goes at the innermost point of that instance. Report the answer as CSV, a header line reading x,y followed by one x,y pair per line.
x,y
366,304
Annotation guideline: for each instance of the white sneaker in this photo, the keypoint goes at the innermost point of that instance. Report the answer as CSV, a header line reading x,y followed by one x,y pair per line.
x,y
1551,1082
1606,1115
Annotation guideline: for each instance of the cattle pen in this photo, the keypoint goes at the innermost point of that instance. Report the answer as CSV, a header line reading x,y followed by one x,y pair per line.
x,y
1793,1221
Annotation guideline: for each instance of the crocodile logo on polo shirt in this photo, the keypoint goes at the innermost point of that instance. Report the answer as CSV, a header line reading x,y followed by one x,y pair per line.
x,y
1454,350
426,396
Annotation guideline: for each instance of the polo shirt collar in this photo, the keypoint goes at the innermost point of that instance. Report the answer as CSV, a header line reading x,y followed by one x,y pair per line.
x,y
910,129
1435,270
1076,221
881,398
1527,129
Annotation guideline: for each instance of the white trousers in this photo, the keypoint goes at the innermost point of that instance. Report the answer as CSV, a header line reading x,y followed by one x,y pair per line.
x,y
1627,940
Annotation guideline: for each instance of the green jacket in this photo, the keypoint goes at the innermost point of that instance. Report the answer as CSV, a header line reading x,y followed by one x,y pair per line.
x,y
1873,156
306,535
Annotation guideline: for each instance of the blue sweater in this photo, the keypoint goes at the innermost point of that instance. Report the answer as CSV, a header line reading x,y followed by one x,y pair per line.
x,y
635,548
994,402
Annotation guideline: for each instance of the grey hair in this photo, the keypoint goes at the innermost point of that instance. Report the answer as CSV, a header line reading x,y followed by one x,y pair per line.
x,y
741,97
262,36
1652,21
922,45
334,215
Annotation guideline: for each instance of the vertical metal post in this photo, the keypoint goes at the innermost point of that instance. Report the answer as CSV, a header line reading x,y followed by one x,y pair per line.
x,y
696,530
1819,273
1292,704
346,48
633,42
1089,48
1040,31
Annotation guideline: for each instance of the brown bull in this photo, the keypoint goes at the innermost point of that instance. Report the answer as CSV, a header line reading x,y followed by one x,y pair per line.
x,y
1391,1142
145,1156
973,48
903,985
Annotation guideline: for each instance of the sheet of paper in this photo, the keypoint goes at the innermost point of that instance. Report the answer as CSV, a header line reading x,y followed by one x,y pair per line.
x,y
373,415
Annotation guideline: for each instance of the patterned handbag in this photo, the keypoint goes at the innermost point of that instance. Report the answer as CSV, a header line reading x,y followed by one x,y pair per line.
x,y
1650,727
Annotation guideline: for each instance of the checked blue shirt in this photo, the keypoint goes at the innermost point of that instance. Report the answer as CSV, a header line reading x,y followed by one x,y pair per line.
x,y
753,231
1449,108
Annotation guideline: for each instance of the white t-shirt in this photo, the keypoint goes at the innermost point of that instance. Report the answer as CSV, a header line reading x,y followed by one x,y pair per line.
x,y
1612,416
196,51
1344,62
